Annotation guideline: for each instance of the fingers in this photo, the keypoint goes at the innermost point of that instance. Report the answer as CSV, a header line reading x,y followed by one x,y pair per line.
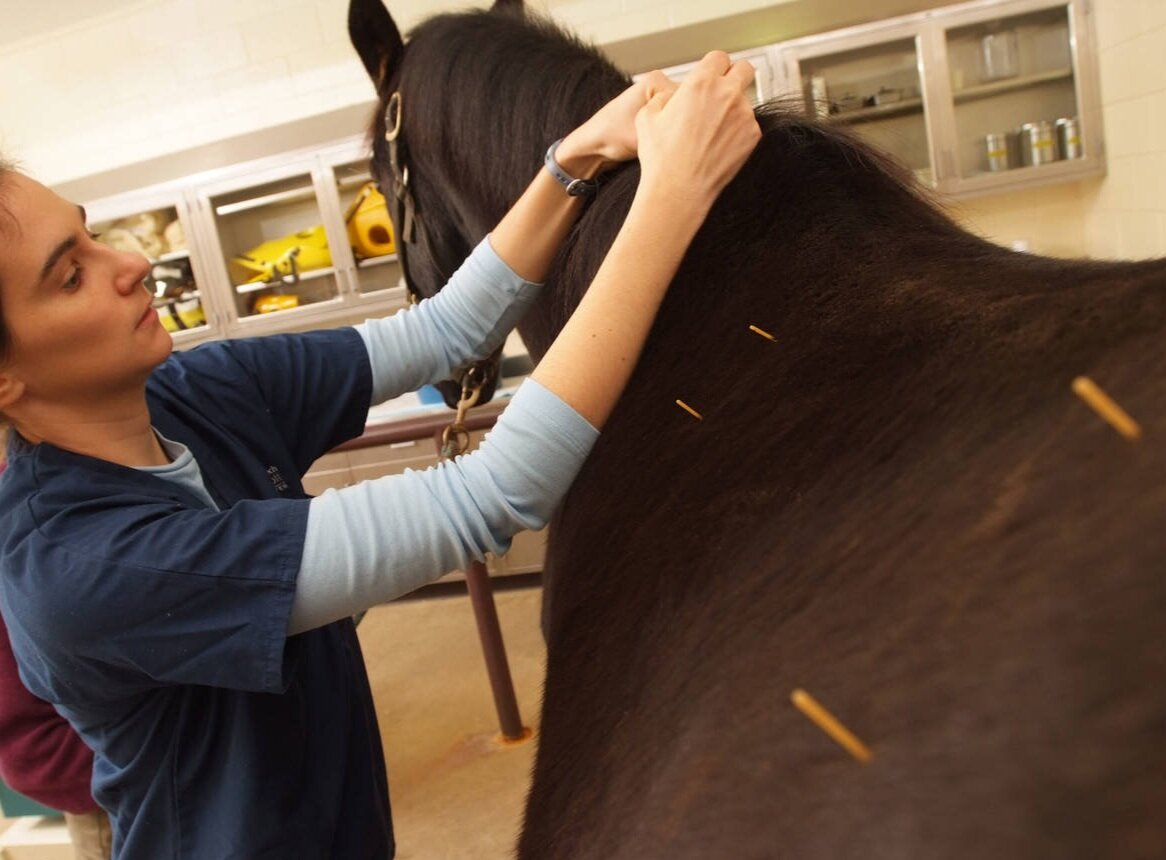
x,y
657,82
742,72
713,64
657,102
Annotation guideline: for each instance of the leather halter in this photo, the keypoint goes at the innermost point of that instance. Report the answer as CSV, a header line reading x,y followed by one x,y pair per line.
x,y
407,211
470,377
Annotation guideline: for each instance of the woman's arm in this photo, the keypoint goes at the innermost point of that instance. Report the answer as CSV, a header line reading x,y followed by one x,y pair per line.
x,y
691,143
372,542
467,320
489,293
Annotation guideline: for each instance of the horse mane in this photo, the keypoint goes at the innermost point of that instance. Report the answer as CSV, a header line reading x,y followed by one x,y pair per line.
x,y
865,245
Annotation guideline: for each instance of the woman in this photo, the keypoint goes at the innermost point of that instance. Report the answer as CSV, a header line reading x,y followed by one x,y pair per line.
x,y
166,582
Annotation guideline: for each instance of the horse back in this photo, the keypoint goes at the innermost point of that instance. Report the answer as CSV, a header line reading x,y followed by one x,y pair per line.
x,y
902,509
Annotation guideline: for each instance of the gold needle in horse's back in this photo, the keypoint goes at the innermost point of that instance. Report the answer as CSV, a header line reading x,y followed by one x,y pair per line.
x,y
689,410
826,721
1103,405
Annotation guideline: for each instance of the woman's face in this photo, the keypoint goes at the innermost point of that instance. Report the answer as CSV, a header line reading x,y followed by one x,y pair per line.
x,y
80,318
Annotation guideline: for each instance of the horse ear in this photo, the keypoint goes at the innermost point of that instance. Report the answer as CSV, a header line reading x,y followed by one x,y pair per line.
x,y
376,38
507,4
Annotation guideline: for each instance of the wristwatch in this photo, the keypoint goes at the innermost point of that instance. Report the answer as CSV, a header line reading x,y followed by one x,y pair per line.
x,y
575,187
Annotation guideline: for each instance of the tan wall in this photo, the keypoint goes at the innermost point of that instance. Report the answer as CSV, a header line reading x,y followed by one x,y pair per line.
x,y
1048,220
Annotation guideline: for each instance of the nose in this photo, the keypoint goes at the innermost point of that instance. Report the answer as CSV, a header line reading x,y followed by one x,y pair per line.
x,y
132,271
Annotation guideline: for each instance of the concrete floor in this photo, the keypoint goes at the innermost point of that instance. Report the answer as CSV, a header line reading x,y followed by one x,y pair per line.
x,y
457,790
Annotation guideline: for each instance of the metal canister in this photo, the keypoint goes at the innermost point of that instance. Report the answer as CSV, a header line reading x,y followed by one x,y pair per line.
x,y
1038,143
996,151
819,96
1069,137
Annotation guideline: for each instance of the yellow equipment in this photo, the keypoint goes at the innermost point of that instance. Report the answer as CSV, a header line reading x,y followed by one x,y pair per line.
x,y
370,232
270,304
288,255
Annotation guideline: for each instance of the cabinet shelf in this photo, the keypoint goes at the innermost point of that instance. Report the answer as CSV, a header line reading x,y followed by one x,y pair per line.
x,y
369,262
292,195
981,91
352,181
869,114
285,281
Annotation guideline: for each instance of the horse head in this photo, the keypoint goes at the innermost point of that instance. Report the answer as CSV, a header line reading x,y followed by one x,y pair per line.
x,y
445,110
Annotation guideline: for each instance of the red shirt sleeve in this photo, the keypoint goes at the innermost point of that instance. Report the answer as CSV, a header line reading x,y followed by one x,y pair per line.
x,y
40,754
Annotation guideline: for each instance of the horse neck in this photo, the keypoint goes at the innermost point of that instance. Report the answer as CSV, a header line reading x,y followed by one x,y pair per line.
x,y
823,241
496,88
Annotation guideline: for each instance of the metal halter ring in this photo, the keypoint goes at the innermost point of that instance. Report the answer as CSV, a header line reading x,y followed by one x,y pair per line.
x,y
394,101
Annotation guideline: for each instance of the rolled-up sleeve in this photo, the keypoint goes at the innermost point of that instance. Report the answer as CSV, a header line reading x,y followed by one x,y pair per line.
x,y
467,320
375,541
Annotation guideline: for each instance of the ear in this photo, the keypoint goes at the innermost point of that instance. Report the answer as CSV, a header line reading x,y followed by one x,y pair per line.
x,y
500,5
11,390
375,37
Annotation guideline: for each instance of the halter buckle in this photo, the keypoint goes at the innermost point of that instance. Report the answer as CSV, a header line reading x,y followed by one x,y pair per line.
x,y
393,107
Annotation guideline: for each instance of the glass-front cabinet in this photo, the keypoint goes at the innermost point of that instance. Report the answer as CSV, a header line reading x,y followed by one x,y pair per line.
x,y
979,97
874,83
270,239
372,243
301,241
160,227
284,243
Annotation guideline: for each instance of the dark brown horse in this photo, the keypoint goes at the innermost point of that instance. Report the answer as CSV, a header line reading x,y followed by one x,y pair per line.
x,y
900,505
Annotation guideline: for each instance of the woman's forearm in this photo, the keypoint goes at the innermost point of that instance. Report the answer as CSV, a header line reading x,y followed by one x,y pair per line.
x,y
530,234
592,358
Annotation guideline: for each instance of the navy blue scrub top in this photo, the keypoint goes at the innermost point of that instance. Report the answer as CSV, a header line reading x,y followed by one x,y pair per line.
x,y
158,626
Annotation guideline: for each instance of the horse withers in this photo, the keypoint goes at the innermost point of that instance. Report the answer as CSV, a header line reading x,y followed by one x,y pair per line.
x,y
897,504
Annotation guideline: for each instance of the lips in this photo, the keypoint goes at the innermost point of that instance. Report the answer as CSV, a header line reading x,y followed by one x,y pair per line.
x,y
147,314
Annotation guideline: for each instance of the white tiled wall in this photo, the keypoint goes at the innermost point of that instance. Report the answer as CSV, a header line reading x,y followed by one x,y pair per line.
x,y
153,77
1126,214
158,76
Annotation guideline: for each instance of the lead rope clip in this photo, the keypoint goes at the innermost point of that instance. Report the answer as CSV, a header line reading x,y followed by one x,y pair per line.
x,y
455,439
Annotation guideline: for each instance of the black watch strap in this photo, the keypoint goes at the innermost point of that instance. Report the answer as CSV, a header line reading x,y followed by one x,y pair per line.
x,y
575,187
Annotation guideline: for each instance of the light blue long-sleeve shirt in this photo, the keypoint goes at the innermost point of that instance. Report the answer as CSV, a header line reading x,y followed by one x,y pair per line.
x,y
380,539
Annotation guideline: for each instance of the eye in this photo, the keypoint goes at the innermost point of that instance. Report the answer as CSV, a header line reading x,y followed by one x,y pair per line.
x,y
74,279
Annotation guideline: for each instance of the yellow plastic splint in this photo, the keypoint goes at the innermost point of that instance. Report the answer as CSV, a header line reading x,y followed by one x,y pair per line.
x,y
370,232
270,261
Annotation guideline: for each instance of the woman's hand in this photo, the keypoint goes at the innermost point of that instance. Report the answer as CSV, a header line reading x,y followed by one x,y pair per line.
x,y
609,136
693,139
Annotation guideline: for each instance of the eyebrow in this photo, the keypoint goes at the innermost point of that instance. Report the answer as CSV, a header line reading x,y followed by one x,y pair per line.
x,y
60,251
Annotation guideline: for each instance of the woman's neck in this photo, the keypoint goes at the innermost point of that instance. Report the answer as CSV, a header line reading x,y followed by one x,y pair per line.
x,y
119,433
